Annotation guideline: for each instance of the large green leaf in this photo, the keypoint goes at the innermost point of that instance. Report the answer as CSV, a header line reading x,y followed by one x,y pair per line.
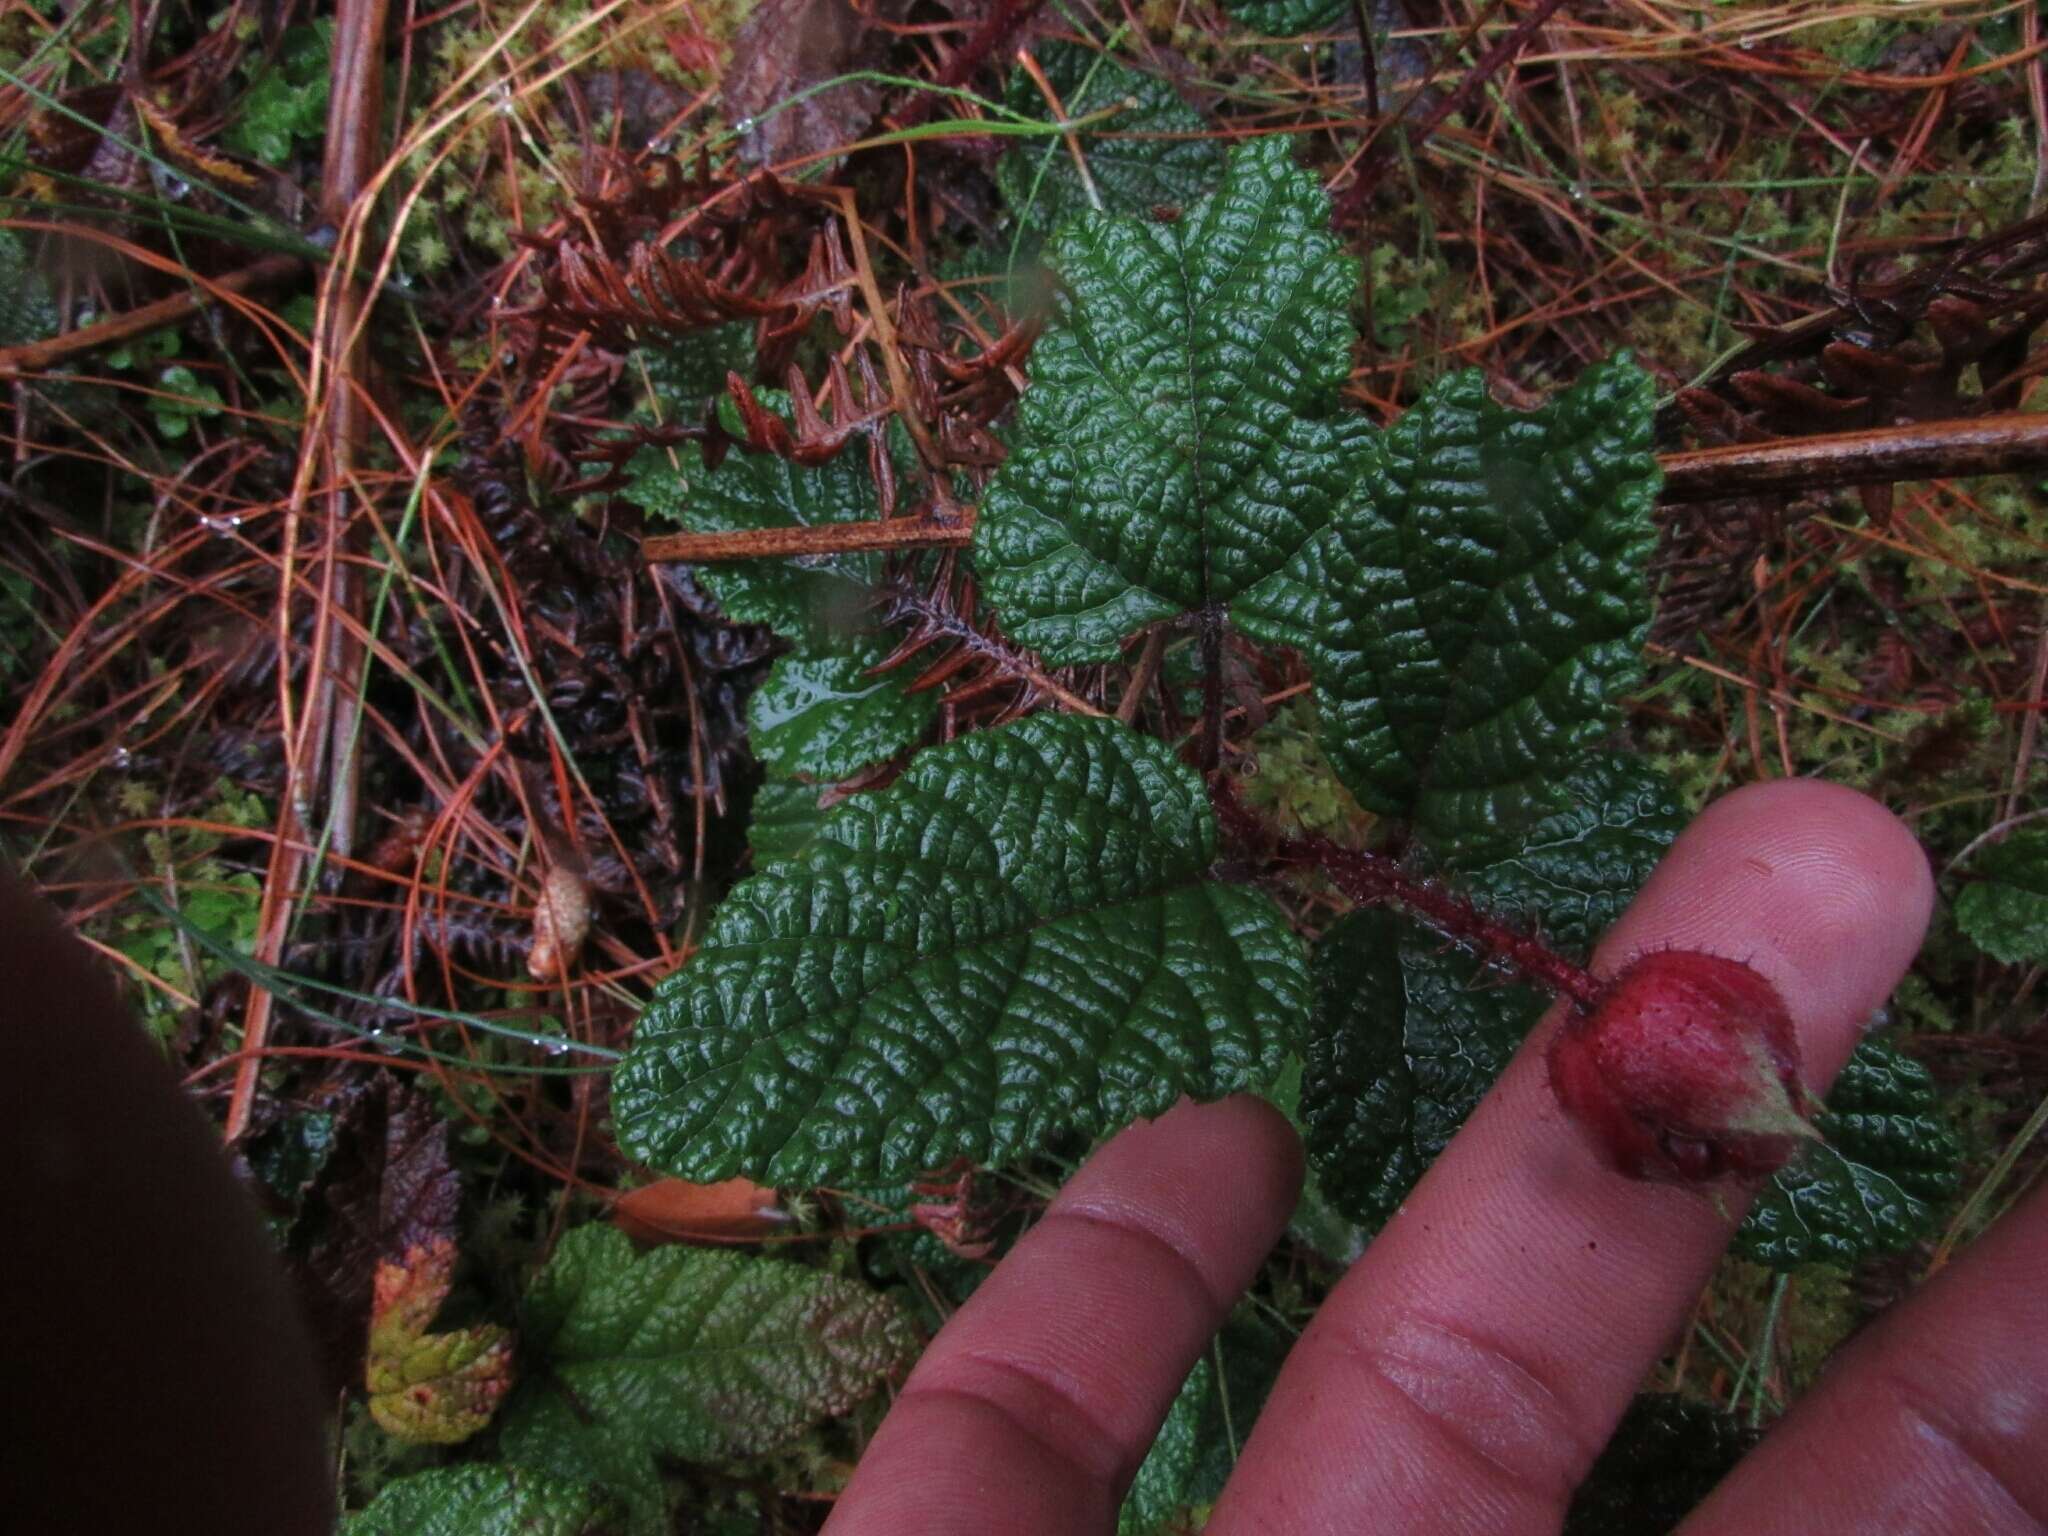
x,y
1013,941
2005,913
1181,441
1487,602
689,1353
1146,156
1890,1158
478,1500
827,716
1409,1035
1407,1038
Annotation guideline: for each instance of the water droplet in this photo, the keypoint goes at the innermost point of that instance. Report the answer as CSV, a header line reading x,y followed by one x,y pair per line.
x,y
661,145
744,126
119,759
557,1047
1746,44
221,525
1578,194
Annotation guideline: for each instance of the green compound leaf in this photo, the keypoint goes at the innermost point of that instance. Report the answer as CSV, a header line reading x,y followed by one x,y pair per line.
x,y
820,604
1181,441
1487,600
1890,1158
689,1353
478,1500
1013,941
1408,1035
1135,161
2005,913
288,99
827,717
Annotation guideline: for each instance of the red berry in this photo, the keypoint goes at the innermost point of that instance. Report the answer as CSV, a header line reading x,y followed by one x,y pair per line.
x,y
1685,1069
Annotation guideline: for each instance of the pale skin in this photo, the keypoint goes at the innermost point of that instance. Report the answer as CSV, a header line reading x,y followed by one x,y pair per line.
x,y
1469,1367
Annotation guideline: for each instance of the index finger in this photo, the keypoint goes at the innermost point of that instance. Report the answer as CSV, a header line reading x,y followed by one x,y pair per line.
x,y
1468,1369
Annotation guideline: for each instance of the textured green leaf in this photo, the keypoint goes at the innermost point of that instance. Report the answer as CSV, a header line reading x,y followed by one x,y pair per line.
x,y
1013,941
1580,863
1288,18
1409,1035
1160,1490
1140,159
1668,1453
1486,601
1890,1158
690,1353
826,716
1181,441
1196,1449
27,312
479,1500
1407,1038
819,604
2005,913
784,819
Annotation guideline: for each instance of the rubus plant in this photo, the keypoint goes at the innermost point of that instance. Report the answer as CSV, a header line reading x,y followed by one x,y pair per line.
x,y
1046,928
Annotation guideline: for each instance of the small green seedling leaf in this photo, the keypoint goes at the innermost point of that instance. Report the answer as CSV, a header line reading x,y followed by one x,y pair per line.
x,y
1181,442
2005,913
1889,1161
1015,940
1487,602
688,1353
1150,154
430,1388
485,1500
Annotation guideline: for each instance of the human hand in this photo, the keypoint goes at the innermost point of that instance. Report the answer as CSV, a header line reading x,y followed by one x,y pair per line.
x,y
1465,1373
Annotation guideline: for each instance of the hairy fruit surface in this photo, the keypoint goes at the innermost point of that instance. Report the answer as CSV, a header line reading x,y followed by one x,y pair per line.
x,y
1685,1070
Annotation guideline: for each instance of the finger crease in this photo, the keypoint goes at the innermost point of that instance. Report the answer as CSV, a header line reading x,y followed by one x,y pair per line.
x,y
1485,1407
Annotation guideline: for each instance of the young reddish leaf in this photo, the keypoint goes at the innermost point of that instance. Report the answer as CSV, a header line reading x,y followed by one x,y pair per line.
x,y
391,1189
677,1211
430,1388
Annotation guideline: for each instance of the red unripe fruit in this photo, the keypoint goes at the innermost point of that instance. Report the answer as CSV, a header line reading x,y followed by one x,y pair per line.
x,y
1685,1069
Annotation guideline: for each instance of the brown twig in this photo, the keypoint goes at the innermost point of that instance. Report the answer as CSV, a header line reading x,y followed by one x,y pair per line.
x,y
818,539
1929,450
323,752
33,356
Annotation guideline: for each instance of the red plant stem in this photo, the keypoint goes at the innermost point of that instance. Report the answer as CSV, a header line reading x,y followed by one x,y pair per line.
x,y
1373,879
